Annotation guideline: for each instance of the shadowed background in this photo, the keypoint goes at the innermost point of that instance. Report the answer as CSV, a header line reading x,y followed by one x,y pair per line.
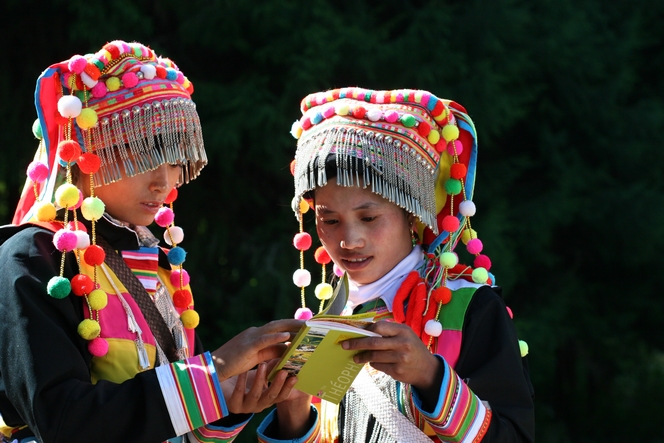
x,y
567,99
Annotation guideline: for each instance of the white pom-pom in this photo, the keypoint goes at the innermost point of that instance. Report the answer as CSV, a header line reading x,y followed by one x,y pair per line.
x,y
149,71
374,114
467,208
296,129
323,291
82,240
433,328
69,106
176,233
88,81
302,278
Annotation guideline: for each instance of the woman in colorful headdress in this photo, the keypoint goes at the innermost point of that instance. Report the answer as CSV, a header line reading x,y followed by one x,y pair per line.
x,y
97,338
390,175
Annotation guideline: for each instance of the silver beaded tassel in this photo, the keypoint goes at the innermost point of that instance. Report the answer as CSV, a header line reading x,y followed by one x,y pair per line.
x,y
364,158
145,137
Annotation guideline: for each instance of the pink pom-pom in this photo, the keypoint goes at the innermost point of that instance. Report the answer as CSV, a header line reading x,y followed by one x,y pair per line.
x,y
99,90
482,261
303,314
302,241
98,347
180,78
80,200
454,145
509,312
474,246
65,240
77,64
391,116
337,270
37,171
129,79
164,217
328,112
175,278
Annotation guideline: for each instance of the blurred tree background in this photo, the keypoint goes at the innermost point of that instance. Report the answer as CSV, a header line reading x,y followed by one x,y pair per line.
x,y
567,97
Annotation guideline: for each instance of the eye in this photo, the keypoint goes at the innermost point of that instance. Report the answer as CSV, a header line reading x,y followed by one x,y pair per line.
x,y
329,222
369,219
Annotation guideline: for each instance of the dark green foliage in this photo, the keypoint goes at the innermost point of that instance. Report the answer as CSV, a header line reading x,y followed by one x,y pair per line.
x,y
567,97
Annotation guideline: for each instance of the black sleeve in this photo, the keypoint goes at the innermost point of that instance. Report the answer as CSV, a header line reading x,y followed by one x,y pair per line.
x,y
44,363
491,365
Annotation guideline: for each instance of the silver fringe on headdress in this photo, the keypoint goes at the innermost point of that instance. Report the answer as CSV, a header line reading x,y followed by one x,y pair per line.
x,y
364,158
166,131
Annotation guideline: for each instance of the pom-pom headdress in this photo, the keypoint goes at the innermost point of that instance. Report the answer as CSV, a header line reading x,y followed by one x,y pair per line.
x,y
415,150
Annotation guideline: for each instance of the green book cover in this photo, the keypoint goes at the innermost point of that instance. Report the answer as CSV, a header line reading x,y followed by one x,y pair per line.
x,y
324,369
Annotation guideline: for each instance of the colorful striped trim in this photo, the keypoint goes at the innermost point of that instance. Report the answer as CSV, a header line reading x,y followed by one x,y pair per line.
x,y
192,393
144,263
459,416
217,434
313,436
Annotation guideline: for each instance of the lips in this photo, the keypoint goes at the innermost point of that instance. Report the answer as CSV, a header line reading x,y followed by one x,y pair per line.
x,y
356,263
151,206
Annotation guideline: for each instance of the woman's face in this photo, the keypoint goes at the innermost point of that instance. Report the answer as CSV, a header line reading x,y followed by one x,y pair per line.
x,y
365,234
136,200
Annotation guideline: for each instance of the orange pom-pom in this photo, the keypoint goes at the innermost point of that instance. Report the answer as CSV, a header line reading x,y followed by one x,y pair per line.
x,y
321,256
92,70
89,163
442,295
292,167
94,255
458,171
182,298
69,150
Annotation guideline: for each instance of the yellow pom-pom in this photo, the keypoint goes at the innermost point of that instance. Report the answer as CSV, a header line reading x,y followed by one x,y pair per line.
x,y
523,348
442,116
190,318
89,329
449,259
304,206
450,132
45,211
480,275
113,84
467,235
418,96
343,109
66,195
87,118
97,299
433,136
323,291
93,208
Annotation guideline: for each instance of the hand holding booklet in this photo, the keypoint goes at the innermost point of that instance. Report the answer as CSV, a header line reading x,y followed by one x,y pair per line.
x,y
324,369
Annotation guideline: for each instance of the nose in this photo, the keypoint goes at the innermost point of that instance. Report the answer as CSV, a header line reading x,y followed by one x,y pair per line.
x,y
352,239
159,179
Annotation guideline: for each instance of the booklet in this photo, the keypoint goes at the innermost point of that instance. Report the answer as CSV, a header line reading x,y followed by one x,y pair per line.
x,y
324,369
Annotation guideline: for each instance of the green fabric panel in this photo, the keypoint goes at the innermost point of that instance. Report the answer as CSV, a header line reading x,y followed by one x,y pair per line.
x,y
453,314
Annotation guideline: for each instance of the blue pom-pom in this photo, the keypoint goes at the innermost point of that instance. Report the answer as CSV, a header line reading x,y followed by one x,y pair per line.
x,y
58,287
171,74
176,256
317,118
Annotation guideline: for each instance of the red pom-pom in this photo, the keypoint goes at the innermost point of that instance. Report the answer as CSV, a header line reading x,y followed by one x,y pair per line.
x,y
438,109
89,163
458,171
292,167
161,71
114,50
321,256
359,112
81,284
98,347
59,119
94,255
92,70
76,226
182,298
302,241
442,295
69,150
450,223
172,196
423,128
482,261
190,88
306,123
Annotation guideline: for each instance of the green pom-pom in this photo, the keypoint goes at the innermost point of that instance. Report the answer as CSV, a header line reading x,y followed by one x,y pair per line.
x,y
453,186
58,287
408,120
36,130
480,275
523,347
92,208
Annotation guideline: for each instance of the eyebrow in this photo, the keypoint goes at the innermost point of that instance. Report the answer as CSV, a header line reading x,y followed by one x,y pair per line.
x,y
366,205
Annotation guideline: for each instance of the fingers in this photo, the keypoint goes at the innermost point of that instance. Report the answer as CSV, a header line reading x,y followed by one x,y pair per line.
x,y
259,396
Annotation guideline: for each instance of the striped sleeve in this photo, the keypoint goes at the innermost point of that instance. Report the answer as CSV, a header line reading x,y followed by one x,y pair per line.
x,y
459,416
216,434
312,436
192,393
